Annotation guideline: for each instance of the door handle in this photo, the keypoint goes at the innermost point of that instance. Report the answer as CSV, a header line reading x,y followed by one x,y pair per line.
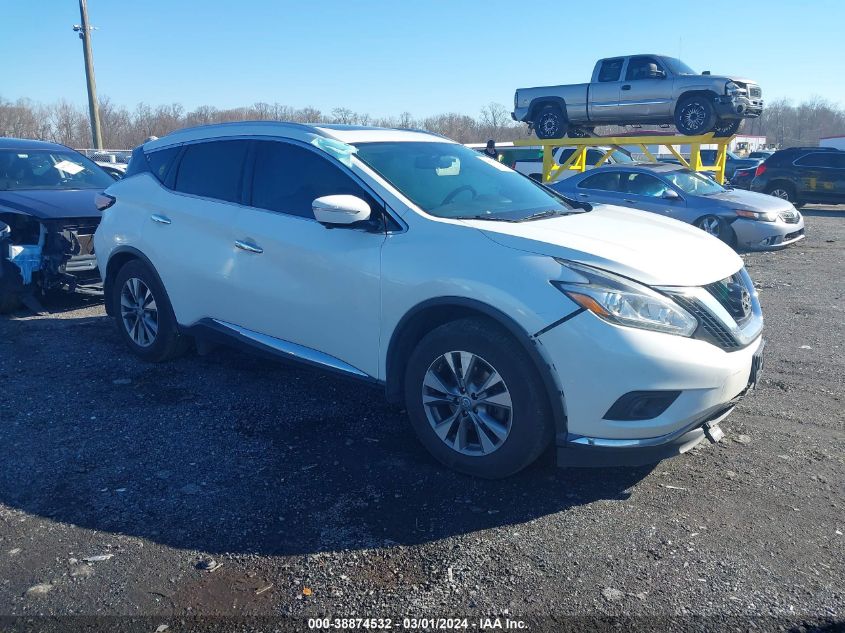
x,y
249,248
161,219
626,87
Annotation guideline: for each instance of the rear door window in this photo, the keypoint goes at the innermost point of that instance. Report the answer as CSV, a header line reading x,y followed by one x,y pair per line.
x,y
610,70
213,169
817,159
607,181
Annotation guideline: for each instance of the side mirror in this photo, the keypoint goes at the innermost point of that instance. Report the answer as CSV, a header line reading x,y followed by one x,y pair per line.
x,y
670,194
657,74
340,210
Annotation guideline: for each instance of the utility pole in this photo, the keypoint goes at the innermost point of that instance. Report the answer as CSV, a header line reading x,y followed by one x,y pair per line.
x,y
84,31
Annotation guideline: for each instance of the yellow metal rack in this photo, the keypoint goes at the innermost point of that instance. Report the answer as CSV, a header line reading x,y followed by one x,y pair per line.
x,y
578,160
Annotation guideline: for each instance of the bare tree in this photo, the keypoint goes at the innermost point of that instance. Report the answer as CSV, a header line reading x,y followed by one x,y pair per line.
x,y
782,122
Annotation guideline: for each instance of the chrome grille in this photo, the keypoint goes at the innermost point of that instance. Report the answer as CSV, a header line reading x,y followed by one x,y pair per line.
x,y
754,92
733,295
710,328
789,216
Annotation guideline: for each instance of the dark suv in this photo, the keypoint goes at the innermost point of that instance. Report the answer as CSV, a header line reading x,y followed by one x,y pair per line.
x,y
803,175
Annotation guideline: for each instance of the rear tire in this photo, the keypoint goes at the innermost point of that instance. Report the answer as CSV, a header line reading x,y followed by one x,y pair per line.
x,y
695,115
550,123
144,316
784,191
475,399
726,127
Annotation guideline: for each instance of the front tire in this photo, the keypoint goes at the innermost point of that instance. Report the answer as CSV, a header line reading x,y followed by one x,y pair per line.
x,y
550,123
695,115
717,227
144,316
726,127
475,399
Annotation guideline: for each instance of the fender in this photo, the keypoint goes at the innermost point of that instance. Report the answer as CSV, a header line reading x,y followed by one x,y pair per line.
x,y
396,354
539,102
123,253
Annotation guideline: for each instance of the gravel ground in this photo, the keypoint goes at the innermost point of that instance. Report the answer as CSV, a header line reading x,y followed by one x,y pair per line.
x,y
306,495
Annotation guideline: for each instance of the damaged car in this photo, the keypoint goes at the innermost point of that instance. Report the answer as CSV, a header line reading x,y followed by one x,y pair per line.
x,y
48,215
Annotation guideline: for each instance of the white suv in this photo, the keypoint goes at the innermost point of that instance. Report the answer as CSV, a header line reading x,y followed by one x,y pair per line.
x,y
504,316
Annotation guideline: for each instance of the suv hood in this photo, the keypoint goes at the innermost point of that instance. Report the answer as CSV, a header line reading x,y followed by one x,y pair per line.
x,y
636,244
49,204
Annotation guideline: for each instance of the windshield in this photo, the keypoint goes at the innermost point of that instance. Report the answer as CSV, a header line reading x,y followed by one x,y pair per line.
x,y
49,169
678,67
693,183
450,181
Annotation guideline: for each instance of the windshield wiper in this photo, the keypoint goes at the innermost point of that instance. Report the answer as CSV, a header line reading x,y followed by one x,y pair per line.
x,y
491,218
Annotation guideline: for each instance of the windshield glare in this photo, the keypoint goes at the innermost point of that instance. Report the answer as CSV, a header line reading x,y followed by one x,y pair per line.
x,y
693,183
49,169
678,67
449,180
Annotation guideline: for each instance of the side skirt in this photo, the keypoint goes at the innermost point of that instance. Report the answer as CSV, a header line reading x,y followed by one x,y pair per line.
x,y
210,331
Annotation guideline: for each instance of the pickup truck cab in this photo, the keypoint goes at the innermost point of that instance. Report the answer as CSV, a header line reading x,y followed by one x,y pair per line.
x,y
640,89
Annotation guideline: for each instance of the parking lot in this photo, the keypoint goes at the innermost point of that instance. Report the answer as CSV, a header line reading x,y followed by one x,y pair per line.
x,y
230,485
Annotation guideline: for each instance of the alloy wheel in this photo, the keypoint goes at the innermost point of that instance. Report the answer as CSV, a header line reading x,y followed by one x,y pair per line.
x,y
783,194
711,225
138,312
467,403
693,115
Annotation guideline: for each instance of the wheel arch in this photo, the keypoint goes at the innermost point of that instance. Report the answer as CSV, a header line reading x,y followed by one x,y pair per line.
x,y
710,94
432,313
118,258
540,102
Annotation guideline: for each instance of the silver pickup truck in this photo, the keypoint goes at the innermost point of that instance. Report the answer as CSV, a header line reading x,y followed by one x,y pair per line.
x,y
640,89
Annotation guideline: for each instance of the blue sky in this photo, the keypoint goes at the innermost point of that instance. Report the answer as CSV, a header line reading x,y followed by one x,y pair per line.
x,y
385,57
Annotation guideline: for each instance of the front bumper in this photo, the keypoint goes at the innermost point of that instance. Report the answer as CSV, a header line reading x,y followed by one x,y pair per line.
x,y
596,363
738,107
757,235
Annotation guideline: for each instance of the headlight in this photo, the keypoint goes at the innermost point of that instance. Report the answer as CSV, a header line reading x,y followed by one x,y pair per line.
x,y
765,216
624,302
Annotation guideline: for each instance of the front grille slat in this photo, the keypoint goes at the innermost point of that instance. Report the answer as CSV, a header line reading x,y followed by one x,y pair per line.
x,y
711,327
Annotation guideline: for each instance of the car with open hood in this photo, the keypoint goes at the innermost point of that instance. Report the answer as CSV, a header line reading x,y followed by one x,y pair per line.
x,y
48,205
505,317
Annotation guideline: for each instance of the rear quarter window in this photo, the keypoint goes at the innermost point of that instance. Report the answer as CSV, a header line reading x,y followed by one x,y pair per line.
x,y
161,161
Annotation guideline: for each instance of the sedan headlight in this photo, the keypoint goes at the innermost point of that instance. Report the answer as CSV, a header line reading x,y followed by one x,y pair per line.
x,y
733,89
765,216
624,302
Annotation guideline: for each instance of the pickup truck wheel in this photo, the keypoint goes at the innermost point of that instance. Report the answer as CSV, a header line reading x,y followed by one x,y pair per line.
x,y
695,115
144,317
550,123
475,400
727,127
580,132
